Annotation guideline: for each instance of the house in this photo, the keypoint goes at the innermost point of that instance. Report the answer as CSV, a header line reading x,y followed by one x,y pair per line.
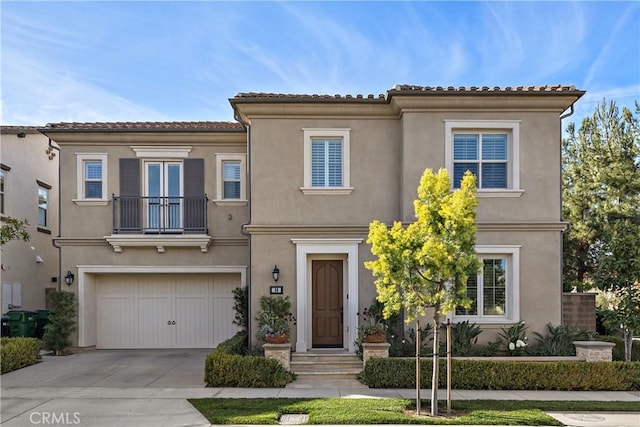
x,y
28,190
323,167
160,221
151,217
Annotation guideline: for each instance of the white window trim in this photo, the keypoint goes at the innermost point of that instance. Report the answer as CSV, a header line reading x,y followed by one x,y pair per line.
x,y
220,200
80,159
4,191
342,133
46,209
512,254
161,152
512,127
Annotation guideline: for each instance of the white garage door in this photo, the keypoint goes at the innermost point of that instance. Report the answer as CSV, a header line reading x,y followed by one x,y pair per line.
x,y
164,310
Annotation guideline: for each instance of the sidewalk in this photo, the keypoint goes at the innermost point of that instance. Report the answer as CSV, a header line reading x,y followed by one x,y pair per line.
x,y
148,406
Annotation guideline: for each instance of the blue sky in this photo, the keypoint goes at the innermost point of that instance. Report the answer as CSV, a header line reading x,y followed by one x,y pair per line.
x,y
149,60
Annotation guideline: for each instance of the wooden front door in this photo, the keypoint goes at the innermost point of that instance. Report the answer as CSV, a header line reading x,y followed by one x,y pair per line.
x,y
327,303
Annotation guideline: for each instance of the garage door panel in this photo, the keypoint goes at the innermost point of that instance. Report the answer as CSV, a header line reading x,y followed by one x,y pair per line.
x,y
155,284
138,310
192,328
116,322
155,322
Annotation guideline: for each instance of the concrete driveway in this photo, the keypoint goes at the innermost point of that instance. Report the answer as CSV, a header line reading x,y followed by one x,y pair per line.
x,y
106,388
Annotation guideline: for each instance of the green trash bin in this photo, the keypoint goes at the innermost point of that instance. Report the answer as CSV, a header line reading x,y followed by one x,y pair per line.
x,y
22,323
42,318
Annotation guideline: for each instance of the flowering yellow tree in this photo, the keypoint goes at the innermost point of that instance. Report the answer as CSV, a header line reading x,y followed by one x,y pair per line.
x,y
426,264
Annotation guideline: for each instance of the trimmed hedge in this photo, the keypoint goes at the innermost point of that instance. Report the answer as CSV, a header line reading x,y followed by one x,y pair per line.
x,y
498,375
237,344
231,370
18,352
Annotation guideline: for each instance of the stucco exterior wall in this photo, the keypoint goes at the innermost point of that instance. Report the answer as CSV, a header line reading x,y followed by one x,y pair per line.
x,y
28,162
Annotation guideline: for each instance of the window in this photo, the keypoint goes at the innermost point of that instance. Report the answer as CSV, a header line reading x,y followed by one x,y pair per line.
x,y
494,290
326,162
2,180
490,150
231,178
485,155
326,157
43,197
230,183
91,179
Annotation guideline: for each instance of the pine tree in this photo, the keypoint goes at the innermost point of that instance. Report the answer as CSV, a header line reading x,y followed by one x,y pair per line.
x,y
601,200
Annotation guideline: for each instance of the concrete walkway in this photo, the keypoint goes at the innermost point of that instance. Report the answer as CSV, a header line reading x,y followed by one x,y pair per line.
x,y
150,388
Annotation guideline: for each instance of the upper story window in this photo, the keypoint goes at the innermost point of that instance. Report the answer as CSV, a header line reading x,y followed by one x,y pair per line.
x,y
326,161
91,179
43,200
231,177
230,182
495,289
490,150
485,155
2,184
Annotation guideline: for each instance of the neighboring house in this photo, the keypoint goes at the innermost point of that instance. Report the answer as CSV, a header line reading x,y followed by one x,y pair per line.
x,y
28,190
160,221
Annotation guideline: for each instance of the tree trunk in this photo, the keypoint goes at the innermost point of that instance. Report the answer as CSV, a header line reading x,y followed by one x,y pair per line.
x,y
628,343
434,378
418,368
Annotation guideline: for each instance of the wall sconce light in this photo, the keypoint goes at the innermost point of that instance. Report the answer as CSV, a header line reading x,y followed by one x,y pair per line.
x,y
275,273
22,135
68,279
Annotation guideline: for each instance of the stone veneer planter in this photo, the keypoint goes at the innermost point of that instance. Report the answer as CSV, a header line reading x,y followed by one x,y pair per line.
x,y
370,350
279,352
594,351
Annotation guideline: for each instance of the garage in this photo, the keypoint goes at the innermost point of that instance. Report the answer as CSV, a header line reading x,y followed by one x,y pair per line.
x,y
164,310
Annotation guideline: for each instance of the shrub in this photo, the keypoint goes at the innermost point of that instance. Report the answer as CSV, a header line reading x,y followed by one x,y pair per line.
x,y
504,375
515,338
241,307
558,341
230,370
18,352
237,344
618,350
465,336
61,321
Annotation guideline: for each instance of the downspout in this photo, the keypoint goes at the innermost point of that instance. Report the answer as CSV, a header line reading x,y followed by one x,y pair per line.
x,y
562,116
53,241
248,222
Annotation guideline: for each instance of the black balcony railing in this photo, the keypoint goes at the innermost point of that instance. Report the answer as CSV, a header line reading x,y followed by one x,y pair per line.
x,y
159,215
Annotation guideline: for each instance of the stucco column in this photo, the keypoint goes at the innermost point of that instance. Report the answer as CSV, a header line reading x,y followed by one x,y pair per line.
x,y
370,350
594,351
280,352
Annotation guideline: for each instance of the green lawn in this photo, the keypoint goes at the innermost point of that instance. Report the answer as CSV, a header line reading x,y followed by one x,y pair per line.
x,y
392,411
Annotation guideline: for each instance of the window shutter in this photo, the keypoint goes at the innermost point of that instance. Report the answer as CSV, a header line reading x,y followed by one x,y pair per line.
x,y
130,195
194,202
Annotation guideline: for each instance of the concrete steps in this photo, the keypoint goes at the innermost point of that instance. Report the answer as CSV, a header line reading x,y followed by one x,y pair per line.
x,y
320,368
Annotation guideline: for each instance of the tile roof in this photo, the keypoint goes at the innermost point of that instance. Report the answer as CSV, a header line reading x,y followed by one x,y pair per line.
x,y
147,126
307,97
484,89
18,129
406,89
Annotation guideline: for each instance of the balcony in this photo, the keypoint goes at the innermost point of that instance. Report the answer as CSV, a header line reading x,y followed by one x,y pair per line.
x,y
160,222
